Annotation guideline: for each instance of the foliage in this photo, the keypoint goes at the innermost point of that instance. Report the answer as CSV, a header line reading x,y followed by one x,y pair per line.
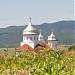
x,y
40,62
72,48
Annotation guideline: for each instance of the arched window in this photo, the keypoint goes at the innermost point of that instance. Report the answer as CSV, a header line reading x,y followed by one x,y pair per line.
x,y
24,38
30,38
27,38
37,38
34,38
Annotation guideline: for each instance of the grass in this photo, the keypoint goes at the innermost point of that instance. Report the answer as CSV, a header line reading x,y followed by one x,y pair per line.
x,y
10,50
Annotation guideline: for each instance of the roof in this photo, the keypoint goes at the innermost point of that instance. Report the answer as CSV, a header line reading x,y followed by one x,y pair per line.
x,y
30,29
52,37
43,45
38,46
24,48
40,35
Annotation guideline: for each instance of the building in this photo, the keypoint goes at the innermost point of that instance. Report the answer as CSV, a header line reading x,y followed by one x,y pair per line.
x,y
33,39
30,36
52,41
41,38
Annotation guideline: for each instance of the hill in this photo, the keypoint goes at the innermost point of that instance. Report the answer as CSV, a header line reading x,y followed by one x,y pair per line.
x,y
64,31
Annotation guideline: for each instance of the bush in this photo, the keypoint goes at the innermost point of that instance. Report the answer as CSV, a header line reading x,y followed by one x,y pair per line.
x,y
41,62
72,48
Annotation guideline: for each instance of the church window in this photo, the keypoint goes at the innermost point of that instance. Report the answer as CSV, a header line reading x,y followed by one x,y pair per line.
x,y
37,38
34,38
30,38
24,38
27,38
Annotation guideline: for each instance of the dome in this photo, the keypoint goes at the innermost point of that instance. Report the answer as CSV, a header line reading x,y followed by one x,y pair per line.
x,y
40,36
30,29
52,37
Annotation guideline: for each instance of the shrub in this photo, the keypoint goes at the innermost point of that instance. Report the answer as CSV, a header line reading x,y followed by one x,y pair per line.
x,y
72,48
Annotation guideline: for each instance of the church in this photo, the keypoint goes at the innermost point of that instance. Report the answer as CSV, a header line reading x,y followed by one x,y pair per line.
x,y
32,39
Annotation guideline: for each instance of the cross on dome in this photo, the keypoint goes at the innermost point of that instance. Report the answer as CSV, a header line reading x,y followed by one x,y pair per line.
x,y
30,19
30,22
30,29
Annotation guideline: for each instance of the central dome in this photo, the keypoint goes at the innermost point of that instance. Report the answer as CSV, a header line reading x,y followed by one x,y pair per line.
x,y
30,29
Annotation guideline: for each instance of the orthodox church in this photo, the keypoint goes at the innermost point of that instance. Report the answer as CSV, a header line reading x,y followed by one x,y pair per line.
x,y
32,39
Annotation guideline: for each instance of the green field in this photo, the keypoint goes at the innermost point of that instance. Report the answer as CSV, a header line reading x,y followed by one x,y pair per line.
x,y
38,62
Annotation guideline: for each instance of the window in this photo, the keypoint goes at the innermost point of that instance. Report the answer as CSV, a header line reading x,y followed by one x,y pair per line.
x,y
30,38
37,38
34,38
27,38
24,38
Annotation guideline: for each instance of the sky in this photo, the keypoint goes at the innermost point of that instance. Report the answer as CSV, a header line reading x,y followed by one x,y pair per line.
x,y
18,12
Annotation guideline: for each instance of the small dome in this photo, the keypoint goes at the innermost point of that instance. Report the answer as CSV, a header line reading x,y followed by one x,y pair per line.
x,y
30,29
40,36
52,37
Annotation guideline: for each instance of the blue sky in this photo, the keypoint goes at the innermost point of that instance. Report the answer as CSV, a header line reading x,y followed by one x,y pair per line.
x,y
18,12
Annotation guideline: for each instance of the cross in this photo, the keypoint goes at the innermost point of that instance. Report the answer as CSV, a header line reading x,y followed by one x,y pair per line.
x,y
30,19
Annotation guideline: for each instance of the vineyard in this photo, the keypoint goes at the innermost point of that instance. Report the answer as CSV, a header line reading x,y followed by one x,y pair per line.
x,y
38,62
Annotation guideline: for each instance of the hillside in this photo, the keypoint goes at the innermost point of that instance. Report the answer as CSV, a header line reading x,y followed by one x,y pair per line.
x,y
64,31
